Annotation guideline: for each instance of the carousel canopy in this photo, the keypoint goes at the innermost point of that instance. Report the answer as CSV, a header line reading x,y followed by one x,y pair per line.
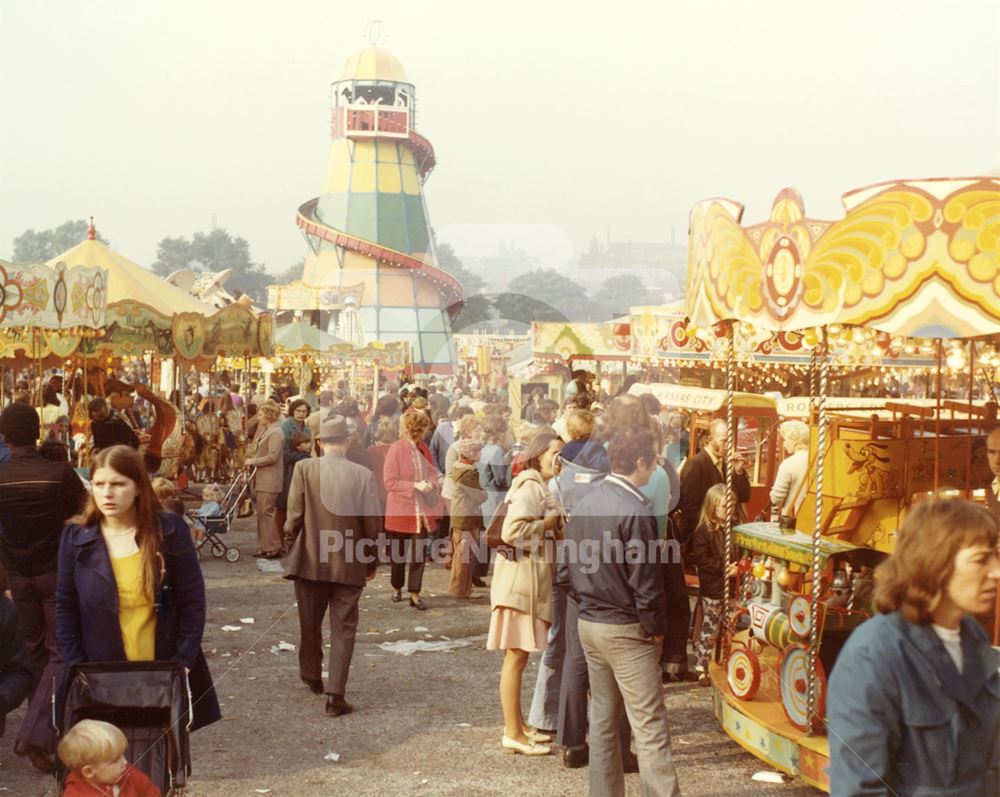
x,y
300,337
128,281
915,258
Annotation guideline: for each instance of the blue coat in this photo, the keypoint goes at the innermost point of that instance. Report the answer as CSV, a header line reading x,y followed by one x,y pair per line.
x,y
87,625
903,721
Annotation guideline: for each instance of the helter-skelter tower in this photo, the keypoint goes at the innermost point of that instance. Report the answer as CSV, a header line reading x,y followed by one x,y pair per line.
x,y
369,232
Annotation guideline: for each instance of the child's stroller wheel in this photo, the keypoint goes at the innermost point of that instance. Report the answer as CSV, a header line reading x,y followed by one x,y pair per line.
x,y
232,554
218,550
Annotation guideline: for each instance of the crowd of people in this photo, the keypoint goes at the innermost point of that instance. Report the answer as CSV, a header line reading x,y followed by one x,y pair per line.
x,y
107,568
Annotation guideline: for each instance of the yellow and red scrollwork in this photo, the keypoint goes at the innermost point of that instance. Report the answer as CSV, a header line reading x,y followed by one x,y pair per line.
x,y
913,258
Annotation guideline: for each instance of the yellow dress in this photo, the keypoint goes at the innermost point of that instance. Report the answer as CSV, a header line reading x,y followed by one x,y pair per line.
x,y
135,609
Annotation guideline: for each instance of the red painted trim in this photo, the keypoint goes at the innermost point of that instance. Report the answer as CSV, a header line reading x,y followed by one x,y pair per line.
x,y
450,288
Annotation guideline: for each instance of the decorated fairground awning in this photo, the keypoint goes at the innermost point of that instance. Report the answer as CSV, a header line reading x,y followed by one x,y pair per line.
x,y
299,296
302,339
663,336
45,311
148,314
911,258
564,343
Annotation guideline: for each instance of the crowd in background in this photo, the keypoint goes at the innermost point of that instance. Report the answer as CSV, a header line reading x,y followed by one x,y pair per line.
x,y
440,461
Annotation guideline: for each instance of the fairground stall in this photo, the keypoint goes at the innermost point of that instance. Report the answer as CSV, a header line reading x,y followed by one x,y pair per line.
x,y
304,353
158,332
913,266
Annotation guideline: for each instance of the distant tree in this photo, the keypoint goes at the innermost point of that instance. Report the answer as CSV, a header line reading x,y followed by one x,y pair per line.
x,y
37,247
543,295
620,292
475,311
215,251
450,262
291,274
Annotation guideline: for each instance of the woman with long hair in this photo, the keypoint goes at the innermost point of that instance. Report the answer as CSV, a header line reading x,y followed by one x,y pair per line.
x,y
413,498
708,554
129,584
914,700
521,590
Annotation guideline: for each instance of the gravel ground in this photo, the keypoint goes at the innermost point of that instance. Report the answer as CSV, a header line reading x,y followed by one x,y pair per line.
x,y
426,724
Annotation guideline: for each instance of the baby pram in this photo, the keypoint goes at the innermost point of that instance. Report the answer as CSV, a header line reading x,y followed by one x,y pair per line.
x,y
149,700
218,523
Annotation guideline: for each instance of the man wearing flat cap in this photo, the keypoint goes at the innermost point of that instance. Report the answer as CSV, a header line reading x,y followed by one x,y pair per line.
x,y
331,531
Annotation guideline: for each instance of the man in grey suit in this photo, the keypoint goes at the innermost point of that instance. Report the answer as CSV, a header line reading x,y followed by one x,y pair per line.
x,y
331,532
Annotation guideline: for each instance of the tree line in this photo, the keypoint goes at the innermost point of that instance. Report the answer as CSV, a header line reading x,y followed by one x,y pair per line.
x,y
540,295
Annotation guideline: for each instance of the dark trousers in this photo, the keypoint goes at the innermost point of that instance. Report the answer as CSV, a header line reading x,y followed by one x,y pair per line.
x,y
407,549
574,689
314,597
35,598
674,658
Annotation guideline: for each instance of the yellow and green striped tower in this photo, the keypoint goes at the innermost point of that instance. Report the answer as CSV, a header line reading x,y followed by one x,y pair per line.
x,y
368,231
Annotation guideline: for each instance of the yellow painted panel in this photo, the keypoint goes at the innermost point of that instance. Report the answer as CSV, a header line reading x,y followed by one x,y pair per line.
x,y
363,178
322,269
358,261
427,293
396,289
388,178
407,156
411,183
337,177
364,152
386,150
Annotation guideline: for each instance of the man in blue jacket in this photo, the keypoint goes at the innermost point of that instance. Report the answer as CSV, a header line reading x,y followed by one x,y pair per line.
x,y
615,556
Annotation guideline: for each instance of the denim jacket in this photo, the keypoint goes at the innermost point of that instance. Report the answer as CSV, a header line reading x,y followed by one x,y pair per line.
x,y
902,719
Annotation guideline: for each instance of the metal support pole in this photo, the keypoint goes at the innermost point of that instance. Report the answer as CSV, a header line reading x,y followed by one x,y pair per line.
x,y
937,416
816,535
968,449
729,459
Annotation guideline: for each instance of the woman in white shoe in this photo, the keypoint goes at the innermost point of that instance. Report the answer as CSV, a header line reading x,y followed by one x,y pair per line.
x,y
521,591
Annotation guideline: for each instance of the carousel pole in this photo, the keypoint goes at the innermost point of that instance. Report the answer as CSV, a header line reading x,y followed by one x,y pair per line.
x,y
937,415
812,381
730,457
817,530
968,450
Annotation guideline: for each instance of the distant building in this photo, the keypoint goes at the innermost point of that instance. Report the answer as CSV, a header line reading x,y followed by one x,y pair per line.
x,y
661,266
498,270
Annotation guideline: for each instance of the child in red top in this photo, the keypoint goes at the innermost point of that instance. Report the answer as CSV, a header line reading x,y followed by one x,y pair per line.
x,y
94,753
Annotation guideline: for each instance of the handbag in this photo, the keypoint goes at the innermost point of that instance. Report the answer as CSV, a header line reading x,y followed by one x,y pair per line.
x,y
494,531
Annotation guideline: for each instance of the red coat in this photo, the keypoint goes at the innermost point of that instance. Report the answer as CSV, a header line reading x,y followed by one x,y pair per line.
x,y
403,503
134,783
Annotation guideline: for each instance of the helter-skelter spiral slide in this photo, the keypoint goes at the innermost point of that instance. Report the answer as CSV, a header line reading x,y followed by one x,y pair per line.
x,y
370,239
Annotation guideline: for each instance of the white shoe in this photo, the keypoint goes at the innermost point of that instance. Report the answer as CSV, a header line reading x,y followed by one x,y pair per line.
x,y
537,736
531,748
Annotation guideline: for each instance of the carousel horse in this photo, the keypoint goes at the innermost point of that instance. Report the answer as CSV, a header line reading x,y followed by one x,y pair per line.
x,y
239,453
208,462
190,448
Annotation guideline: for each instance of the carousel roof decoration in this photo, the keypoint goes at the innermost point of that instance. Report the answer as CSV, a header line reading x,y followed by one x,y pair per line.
x,y
302,338
148,314
47,310
563,343
910,258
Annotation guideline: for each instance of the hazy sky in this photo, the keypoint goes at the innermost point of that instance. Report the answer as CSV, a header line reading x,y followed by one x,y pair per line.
x,y
552,121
